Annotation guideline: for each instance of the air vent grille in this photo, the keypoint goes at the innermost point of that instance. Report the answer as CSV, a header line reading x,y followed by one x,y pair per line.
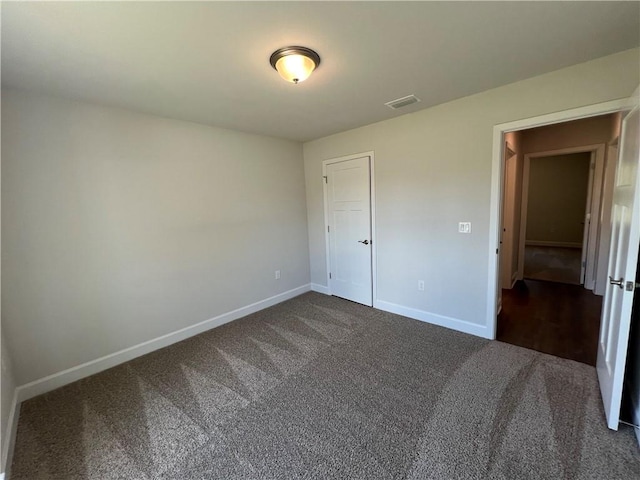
x,y
402,102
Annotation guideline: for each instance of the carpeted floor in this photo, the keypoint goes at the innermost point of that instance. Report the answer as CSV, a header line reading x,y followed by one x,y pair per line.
x,y
321,388
553,264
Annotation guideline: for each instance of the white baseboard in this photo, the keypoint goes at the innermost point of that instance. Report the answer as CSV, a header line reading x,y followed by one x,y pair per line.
x,y
316,287
544,243
512,284
434,318
57,380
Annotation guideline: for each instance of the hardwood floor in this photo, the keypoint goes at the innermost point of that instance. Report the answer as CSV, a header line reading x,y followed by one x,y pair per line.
x,y
553,264
555,318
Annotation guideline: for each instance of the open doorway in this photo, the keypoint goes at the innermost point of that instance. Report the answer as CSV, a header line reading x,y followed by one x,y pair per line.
x,y
555,194
556,217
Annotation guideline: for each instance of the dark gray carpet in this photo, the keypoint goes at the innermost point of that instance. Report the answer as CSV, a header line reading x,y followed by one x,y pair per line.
x,y
321,388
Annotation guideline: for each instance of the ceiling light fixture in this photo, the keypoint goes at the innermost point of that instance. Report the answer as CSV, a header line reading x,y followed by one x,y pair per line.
x,y
294,64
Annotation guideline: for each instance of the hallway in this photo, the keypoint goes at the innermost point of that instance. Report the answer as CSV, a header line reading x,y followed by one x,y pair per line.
x,y
555,318
553,264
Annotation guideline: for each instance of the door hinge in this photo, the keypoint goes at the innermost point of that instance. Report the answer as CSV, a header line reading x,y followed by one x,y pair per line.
x,y
328,228
496,251
325,179
584,264
329,275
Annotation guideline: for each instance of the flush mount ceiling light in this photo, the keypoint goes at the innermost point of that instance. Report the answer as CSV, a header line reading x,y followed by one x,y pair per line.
x,y
294,64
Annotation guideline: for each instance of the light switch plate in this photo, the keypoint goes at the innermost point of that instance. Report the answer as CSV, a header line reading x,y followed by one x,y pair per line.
x,y
464,227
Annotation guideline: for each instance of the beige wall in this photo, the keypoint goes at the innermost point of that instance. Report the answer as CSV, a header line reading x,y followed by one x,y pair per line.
x,y
433,169
616,125
121,227
557,199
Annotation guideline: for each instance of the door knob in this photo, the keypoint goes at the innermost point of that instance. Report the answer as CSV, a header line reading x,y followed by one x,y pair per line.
x,y
616,282
366,242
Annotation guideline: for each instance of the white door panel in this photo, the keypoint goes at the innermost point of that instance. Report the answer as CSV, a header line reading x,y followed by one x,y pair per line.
x,y
618,297
349,230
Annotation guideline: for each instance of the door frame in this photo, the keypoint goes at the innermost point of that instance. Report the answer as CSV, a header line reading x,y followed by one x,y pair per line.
x,y
594,194
497,186
507,240
372,192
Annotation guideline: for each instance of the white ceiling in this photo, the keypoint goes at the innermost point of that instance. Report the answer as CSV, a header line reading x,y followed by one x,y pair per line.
x,y
208,62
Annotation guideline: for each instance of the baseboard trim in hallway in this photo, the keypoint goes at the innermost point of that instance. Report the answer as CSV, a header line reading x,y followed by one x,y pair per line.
x,y
65,377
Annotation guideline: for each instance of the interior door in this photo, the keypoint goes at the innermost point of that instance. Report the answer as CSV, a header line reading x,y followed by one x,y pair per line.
x,y
625,239
349,230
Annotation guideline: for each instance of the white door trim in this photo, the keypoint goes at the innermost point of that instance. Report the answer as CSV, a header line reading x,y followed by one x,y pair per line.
x,y
594,194
497,184
506,255
374,243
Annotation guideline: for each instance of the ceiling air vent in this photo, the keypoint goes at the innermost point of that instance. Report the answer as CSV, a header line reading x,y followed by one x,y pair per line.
x,y
402,102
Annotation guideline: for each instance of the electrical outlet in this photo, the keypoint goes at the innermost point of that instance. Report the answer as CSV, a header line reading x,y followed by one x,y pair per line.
x,y
277,275
464,227
421,285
